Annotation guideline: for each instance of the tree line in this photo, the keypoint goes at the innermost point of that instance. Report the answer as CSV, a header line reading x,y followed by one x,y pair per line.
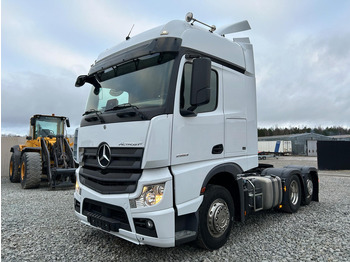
x,y
327,131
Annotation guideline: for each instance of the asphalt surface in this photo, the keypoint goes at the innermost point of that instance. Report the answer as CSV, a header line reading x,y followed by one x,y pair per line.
x,y
40,225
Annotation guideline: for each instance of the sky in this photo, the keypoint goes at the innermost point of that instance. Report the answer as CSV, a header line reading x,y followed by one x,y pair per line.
x,y
302,54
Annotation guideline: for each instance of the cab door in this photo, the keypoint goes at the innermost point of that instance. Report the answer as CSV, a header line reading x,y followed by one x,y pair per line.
x,y
198,136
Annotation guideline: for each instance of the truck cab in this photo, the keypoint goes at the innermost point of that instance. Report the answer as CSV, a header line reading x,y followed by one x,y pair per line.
x,y
170,123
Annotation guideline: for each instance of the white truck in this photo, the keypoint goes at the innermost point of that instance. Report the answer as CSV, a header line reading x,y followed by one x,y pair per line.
x,y
167,147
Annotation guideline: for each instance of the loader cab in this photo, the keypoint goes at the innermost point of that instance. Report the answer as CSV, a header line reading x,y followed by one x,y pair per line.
x,y
47,126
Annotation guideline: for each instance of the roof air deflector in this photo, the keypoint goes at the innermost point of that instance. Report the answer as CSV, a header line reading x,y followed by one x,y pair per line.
x,y
234,28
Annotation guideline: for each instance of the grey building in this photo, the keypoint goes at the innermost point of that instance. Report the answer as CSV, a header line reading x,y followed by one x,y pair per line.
x,y
341,137
302,144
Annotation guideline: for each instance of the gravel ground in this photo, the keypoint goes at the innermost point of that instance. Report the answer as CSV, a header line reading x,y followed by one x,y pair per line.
x,y
40,225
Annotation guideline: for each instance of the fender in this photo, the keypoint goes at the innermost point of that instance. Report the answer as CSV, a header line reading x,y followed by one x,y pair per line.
x,y
15,149
283,173
31,149
227,175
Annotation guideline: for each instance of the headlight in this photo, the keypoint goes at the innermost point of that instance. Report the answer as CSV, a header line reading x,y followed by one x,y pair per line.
x,y
151,195
77,187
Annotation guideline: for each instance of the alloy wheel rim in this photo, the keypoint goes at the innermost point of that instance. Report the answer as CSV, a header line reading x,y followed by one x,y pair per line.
x,y
310,187
294,192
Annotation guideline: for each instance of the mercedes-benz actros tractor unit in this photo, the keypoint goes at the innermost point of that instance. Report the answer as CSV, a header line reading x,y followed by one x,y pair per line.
x,y
167,147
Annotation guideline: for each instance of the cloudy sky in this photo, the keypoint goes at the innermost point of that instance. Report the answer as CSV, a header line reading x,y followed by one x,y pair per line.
x,y
302,54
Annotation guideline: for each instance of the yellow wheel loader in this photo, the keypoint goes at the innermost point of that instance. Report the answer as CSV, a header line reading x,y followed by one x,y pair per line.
x,y
46,155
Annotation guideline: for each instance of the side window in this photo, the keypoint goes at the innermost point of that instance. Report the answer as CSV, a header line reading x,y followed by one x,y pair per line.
x,y
186,89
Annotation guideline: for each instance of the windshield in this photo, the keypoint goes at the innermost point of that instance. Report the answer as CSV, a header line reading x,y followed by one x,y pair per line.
x,y
142,82
48,126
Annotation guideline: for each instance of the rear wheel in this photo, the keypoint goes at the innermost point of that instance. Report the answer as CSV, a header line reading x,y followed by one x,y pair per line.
x,y
294,195
309,190
30,170
14,173
215,217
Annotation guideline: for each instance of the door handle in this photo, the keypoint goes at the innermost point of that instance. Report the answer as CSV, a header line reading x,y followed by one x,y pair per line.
x,y
218,149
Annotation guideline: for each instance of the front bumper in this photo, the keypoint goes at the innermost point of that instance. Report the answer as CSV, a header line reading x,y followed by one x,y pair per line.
x,y
162,215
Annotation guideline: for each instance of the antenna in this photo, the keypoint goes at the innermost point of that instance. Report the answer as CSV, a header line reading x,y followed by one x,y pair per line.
x,y
128,36
189,18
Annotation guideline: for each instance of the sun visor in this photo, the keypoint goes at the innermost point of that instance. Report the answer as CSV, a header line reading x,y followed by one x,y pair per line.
x,y
158,45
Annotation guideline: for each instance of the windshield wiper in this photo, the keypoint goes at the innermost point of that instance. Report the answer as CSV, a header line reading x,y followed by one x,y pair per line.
x,y
122,106
126,114
98,117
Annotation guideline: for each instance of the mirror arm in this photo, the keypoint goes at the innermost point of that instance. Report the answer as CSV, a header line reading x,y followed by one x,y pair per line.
x,y
187,113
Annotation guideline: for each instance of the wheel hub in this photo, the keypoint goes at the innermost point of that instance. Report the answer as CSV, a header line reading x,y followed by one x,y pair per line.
x,y
294,192
218,218
310,187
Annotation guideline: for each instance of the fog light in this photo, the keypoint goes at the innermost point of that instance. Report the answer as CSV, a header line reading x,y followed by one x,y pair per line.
x,y
149,224
145,227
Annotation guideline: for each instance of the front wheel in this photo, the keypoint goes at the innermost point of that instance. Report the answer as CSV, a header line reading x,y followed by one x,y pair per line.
x,y
216,215
30,170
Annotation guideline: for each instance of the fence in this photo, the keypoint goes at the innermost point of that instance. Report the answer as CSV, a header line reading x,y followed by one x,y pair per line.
x,y
6,143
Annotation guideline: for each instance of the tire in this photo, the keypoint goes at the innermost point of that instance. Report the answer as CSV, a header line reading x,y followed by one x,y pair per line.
x,y
309,191
30,170
14,173
293,195
216,215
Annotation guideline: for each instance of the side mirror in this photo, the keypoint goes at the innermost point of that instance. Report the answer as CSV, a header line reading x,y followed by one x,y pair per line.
x,y
67,122
80,80
200,84
32,121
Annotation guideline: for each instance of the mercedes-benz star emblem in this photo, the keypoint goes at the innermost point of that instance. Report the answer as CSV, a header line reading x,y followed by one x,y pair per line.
x,y
104,155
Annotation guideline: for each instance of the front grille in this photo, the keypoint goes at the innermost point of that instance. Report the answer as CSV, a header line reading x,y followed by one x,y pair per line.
x,y
106,212
120,176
